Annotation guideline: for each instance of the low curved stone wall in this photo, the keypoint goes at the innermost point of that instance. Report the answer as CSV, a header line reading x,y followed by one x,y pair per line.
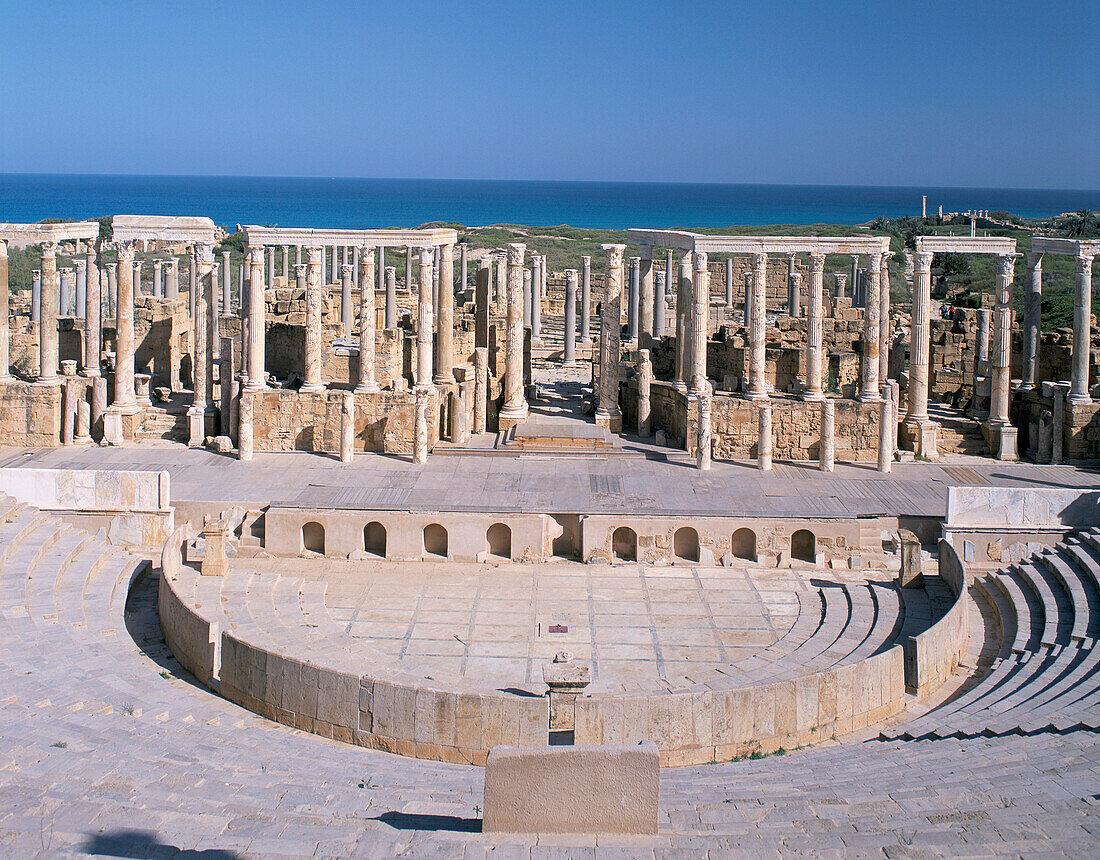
x,y
716,725
188,634
931,656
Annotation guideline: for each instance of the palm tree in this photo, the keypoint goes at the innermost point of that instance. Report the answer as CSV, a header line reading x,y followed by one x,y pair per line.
x,y
1082,223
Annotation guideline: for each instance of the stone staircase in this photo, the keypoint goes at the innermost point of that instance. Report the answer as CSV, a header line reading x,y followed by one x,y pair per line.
x,y
956,433
1045,674
546,436
162,424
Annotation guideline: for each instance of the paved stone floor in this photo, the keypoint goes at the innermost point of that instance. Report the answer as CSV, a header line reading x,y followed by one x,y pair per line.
x,y
638,627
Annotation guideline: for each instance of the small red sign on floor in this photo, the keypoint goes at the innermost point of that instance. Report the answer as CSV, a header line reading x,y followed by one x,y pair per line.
x,y
557,628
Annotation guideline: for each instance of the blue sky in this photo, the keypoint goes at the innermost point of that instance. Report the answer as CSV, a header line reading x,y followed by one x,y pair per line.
x,y
930,93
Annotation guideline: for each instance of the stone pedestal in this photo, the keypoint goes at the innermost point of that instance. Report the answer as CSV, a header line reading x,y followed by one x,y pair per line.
x,y
910,575
566,680
214,559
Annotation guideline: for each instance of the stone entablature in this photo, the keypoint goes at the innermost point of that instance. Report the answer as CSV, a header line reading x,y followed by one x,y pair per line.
x,y
308,236
163,228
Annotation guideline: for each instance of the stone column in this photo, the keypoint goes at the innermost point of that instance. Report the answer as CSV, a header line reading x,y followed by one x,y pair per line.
x,y
444,370
125,397
828,433
538,265
659,288
884,320
528,291
286,262
171,280
36,296
257,325
230,389
918,427
569,353
204,347
586,301
315,264
684,310
729,283
501,297
515,404
333,268
1082,331
408,268
158,283
855,279
607,413
368,384
1032,319
814,330
840,280
645,386
5,333
1001,435
347,276
885,437
764,437
49,304
92,273
758,385
869,380
462,265
481,388
347,423
424,338
81,267
420,418
700,322
227,282
645,297
391,297
191,282
271,265
68,287
703,447
92,321
1058,429
746,285
380,270
137,278
245,424
790,287
354,263
634,299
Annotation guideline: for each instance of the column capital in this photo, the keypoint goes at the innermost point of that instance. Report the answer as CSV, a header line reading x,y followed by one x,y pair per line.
x,y
1006,264
124,250
817,261
759,259
426,257
586,260
516,251
922,261
614,254
79,264
1084,264
255,254
315,254
347,270
796,277
301,270
365,249
700,261
204,253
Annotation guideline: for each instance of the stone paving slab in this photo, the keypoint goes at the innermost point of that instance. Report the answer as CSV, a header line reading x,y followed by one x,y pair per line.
x,y
555,485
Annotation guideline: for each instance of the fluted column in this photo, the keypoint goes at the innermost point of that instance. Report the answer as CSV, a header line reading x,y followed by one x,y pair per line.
x,y
315,263
92,319
5,333
368,384
607,413
463,260
586,300
729,283
884,321
257,322
286,262
633,300
124,328
758,385
660,280
137,278
424,338
204,335
501,298
515,404
36,296
1002,341
408,268
347,277
869,381
645,297
569,356
1082,326
48,308
814,329
81,267
391,296
1033,301
700,323
538,264
444,370
684,309
917,423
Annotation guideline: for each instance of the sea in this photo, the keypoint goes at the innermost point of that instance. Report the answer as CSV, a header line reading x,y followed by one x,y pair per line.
x,y
356,203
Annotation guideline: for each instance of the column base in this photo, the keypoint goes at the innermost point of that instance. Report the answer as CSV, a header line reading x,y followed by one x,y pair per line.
x,y
1078,399
813,396
757,395
198,418
51,380
509,417
83,372
870,397
444,379
919,436
1001,439
367,388
610,421
313,388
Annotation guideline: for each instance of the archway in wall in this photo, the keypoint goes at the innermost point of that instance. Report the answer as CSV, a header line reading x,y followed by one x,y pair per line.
x,y
313,538
685,544
743,544
374,539
624,544
435,540
804,546
498,540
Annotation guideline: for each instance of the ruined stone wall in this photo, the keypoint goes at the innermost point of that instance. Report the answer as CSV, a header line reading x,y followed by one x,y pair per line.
x,y
288,420
30,415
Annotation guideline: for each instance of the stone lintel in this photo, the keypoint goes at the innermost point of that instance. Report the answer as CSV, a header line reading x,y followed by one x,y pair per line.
x,y
687,241
397,238
966,244
1072,247
34,233
164,228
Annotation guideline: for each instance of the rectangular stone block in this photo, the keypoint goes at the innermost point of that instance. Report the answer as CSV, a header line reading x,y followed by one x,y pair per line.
x,y
581,789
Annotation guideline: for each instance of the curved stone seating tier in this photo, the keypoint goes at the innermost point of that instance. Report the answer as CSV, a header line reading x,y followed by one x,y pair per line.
x,y
1047,670
268,639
